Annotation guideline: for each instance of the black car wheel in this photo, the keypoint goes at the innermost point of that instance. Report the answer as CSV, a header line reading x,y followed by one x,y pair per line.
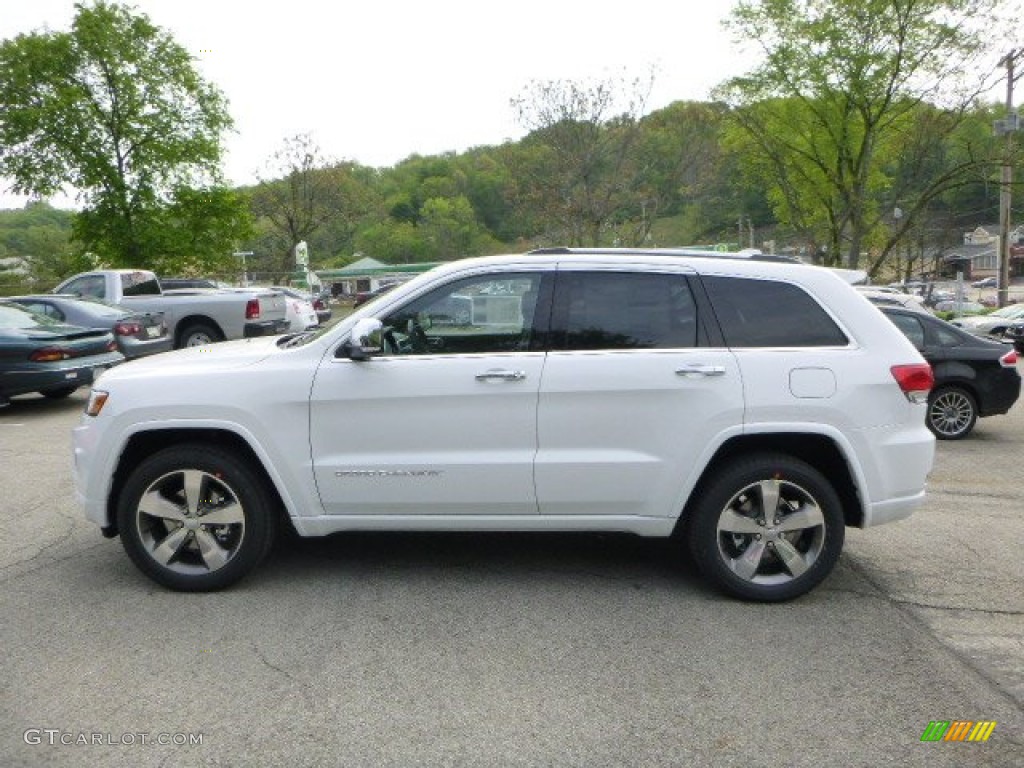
x,y
952,413
196,518
768,528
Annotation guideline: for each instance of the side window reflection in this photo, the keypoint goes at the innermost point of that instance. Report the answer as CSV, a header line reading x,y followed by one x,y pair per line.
x,y
476,315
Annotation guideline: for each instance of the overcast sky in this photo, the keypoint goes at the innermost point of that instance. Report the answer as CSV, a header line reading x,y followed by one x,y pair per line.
x,y
375,82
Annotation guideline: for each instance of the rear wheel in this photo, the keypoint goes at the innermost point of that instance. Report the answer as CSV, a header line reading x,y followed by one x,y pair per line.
x,y
768,528
952,413
198,335
195,518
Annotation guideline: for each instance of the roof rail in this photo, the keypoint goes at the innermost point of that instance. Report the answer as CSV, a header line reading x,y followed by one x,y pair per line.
x,y
752,254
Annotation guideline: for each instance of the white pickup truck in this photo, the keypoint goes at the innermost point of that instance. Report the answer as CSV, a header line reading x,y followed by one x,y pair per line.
x,y
194,316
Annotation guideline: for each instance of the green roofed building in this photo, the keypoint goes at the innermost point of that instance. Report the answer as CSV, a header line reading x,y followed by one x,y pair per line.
x,y
367,274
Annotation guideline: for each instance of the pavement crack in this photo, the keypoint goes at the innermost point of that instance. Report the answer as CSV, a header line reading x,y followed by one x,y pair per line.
x,y
266,662
906,608
954,608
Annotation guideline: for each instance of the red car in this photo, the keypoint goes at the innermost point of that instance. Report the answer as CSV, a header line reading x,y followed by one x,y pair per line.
x,y
364,296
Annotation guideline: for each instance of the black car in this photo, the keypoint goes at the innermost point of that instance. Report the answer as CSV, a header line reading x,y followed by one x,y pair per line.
x,y
974,377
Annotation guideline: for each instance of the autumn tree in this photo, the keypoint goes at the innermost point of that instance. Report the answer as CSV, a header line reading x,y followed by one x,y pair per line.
x,y
115,111
839,97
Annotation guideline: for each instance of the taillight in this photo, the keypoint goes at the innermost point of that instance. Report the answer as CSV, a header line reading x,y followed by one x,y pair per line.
x,y
1009,360
49,355
127,329
915,380
252,309
319,305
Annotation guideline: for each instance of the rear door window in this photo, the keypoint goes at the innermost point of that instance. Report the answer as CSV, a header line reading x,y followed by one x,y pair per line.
x,y
911,328
623,310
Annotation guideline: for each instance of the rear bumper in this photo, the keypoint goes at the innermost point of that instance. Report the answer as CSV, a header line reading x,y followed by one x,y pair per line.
x,y
264,328
40,377
1001,395
135,348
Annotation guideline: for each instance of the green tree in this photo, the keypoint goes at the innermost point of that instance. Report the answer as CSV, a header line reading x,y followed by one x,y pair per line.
x,y
114,110
840,86
36,242
300,193
450,227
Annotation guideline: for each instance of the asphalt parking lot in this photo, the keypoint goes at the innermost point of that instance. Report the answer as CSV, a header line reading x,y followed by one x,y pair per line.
x,y
426,650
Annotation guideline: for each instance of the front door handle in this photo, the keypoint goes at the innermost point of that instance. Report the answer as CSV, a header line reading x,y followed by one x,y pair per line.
x,y
700,369
499,373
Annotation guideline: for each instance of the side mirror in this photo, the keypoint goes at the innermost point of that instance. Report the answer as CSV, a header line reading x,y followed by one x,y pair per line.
x,y
365,340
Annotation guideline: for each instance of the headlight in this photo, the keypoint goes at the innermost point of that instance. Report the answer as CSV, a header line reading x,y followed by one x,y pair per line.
x,y
97,399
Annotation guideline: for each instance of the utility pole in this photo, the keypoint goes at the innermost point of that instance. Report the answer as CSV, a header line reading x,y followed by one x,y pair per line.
x,y
1006,127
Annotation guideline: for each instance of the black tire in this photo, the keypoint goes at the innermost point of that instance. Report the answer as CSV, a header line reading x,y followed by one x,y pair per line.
x,y
952,413
773,559
59,394
163,531
198,335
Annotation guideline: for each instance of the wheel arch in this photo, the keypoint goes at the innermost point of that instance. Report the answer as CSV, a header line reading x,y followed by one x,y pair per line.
x,y
816,450
190,320
142,445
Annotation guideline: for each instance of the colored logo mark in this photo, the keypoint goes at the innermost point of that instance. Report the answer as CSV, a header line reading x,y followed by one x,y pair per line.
x,y
958,730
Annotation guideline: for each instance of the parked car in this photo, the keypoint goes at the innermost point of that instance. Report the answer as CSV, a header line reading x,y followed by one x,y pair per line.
x,y
751,408
894,298
994,323
38,354
137,333
322,305
938,296
194,316
299,309
1014,333
960,307
364,296
974,377
987,282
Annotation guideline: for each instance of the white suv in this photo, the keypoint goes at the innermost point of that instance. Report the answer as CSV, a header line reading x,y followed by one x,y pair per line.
x,y
750,408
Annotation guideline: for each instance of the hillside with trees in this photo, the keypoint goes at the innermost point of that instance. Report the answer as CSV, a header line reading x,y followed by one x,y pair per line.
x,y
858,141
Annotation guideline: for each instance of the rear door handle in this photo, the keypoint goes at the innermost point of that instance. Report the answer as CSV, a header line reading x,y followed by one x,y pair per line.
x,y
700,369
502,374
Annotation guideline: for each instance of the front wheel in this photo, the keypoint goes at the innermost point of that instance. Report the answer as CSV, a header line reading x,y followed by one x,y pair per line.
x,y
767,527
195,518
952,413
